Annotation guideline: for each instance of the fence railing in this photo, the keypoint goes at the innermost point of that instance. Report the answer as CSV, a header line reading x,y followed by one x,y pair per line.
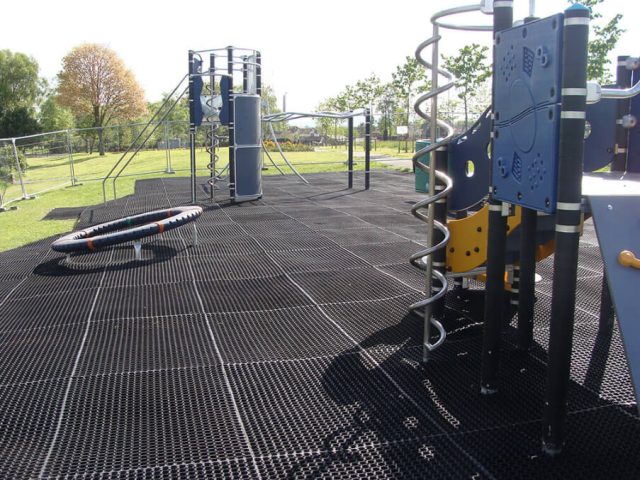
x,y
33,164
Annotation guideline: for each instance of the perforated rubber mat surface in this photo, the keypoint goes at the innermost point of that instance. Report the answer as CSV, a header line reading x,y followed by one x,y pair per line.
x,y
280,346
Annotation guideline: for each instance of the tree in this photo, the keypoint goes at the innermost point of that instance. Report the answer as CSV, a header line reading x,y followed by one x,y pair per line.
x,y
53,116
20,88
603,39
470,70
95,82
408,80
387,105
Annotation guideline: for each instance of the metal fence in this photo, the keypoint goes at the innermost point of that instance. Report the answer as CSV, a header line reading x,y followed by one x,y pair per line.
x,y
33,164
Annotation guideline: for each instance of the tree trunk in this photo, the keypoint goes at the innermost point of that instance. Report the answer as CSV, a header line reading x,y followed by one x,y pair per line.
x,y
466,115
98,124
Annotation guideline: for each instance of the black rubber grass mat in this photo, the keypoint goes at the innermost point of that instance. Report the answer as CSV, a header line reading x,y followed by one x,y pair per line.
x,y
225,247
380,323
396,219
6,288
321,404
387,253
47,310
331,223
361,236
292,241
146,301
318,260
406,273
602,443
64,213
145,344
448,386
55,276
287,334
212,469
413,459
248,266
349,285
222,296
182,416
40,354
28,418
274,227
301,213
598,361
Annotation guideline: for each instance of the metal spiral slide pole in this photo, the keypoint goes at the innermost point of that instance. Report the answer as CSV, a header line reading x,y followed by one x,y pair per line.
x,y
423,259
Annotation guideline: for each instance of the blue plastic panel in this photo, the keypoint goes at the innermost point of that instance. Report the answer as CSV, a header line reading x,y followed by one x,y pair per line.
x,y
224,92
601,140
617,222
633,155
527,84
196,92
248,148
471,184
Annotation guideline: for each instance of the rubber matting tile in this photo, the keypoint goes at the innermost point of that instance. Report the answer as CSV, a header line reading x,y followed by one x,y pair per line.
x,y
598,361
222,296
132,345
16,270
152,272
47,310
277,335
64,213
54,276
600,444
317,405
407,273
448,385
318,260
331,223
361,236
212,469
41,354
309,212
28,418
254,265
293,241
275,227
349,285
391,219
413,459
146,301
380,323
387,253
6,287
225,247
131,421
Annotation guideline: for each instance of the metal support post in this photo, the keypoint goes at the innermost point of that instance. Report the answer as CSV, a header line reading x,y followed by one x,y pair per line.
x,y
568,221
527,284
232,135
367,148
440,215
350,150
72,170
213,154
167,149
623,80
192,127
245,75
258,74
496,252
19,170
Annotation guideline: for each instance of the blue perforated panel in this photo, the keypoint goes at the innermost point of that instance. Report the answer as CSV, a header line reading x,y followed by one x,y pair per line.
x,y
469,165
633,156
527,112
196,92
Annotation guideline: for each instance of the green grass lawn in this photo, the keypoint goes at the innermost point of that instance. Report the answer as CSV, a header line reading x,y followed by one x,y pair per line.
x,y
49,175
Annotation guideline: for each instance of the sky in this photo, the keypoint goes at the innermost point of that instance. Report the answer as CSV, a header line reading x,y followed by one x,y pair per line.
x,y
310,50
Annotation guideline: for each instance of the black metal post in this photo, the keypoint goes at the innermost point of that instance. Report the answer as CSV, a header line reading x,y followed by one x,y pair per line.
x,y
258,74
568,221
231,128
245,75
527,277
192,127
496,252
212,156
367,147
350,150
439,214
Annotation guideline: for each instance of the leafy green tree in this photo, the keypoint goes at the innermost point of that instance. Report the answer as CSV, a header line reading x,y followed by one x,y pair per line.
x,y
53,116
408,80
18,122
19,81
269,100
470,70
602,40
387,105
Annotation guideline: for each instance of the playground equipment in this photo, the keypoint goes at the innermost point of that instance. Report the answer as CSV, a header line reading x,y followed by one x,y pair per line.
x,y
218,102
270,119
126,229
534,178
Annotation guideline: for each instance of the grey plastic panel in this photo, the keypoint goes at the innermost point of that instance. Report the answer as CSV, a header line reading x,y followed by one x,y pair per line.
x,y
247,118
617,222
248,173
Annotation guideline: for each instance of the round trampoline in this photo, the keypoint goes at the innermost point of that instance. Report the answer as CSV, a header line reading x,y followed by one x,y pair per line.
x,y
126,229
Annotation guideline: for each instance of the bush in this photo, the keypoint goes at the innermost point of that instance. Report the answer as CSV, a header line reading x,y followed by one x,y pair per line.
x,y
287,146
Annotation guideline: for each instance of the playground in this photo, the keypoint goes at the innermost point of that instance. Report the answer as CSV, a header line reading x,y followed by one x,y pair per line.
x,y
238,311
